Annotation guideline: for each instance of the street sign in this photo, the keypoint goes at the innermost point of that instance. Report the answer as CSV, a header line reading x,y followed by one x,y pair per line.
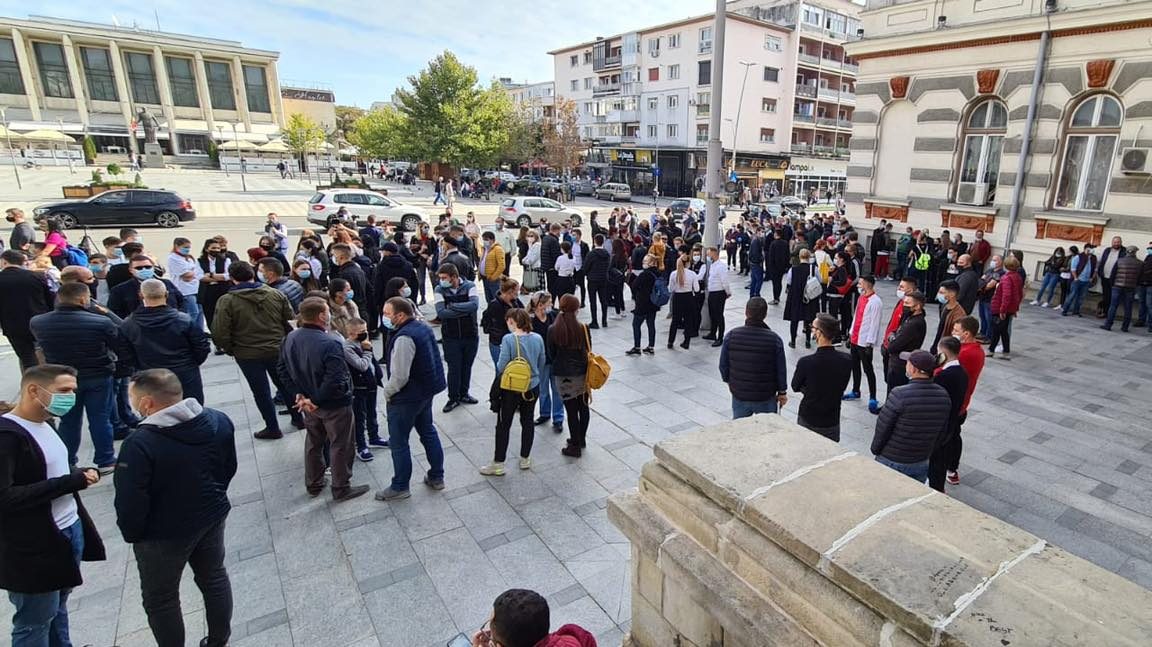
x,y
730,187
732,176
656,171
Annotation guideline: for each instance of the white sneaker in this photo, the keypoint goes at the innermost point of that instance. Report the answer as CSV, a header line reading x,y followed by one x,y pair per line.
x,y
525,463
493,469
1035,303
1044,305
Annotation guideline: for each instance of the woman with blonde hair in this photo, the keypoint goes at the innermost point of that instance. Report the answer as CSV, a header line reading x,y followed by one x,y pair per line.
x,y
683,286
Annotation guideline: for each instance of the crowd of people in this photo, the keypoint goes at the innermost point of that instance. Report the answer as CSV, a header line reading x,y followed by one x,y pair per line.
x,y
325,329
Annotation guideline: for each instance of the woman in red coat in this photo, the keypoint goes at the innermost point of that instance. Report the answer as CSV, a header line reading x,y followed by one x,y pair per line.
x,y
1005,304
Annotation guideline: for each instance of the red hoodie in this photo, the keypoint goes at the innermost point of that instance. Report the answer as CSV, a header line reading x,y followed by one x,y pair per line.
x,y
894,323
568,636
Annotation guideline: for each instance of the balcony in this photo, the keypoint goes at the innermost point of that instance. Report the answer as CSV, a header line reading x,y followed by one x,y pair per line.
x,y
705,47
608,62
828,93
844,123
826,122
803,90
803,118
823,151
703,109
628,139
809,59
623,116
850,68
605,89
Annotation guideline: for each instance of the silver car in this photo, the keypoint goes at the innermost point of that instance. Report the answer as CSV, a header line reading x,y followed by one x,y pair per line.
x,y
361,203
526,211
614,191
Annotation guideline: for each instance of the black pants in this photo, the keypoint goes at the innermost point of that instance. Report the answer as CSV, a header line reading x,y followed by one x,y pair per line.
x,y
1105,297
743,260
578,417
777,286
795,326
862,359
946,457
578,284
551,278
512,403
191,382
637,320
598,295
161,564
895,374
731,252
716,301
841,307
25,348
1001,332
616,296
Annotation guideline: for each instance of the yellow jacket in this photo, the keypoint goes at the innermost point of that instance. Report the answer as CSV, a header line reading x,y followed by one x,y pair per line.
x,y
494,263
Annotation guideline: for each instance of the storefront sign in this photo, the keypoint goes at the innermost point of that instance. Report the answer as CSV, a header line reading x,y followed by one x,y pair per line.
x,y
308,95
624,156
643,157
817,166
771,162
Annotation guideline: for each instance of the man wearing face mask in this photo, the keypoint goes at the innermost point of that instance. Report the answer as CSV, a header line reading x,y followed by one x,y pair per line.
x,y
971,358
159,337
1124,282
124,299
506,239
172,502
909,336
186,273
271,273
23,234
349,270
950,310
392,265
457,302
89,342
980,251
967,282
988,282
954,379
120,272
45,531
596,273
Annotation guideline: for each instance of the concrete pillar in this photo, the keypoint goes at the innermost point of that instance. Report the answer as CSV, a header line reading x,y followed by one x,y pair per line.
x,y
26,76
164,86
241,93
76,78
205,97
122,92
274,98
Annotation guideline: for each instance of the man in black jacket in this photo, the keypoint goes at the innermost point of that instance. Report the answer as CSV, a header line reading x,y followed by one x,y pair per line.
x,y
124,299
312,366
73,336
822,378
596,272
912,419
158,336
549,252
23,295
907,338
753,365
969,281
392,265
756,262
952,376
171,502
44,530
349,270
778,263
120,272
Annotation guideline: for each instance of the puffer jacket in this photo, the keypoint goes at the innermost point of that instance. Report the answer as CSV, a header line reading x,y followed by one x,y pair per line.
x,y
75,337
596,266
1128,271
913,417
163,337
1008,295
251,321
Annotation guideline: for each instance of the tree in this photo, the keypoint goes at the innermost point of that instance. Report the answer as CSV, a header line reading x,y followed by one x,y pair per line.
x,y
89,150
382,134
450,118
346,117
525,134
302,134
562,142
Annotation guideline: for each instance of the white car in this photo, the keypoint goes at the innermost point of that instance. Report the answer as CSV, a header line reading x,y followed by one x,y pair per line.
x,y
526,211
362,203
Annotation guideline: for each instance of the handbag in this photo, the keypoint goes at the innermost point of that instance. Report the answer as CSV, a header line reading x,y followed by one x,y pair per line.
x,y
596,375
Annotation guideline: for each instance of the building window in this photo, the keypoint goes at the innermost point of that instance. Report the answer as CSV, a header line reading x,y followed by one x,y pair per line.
x,y
673,101
53,70
574,85
574,60
587,58
654,46
811,15
672,128
704,73
767,105
767,136
220,85
771,74
183,82
701,133
653,103
588,83
673,41
141,77
705,40
653,74
673,72
836,23
256,87
773,43
10,79
1089,146
98,72
980,162
652,132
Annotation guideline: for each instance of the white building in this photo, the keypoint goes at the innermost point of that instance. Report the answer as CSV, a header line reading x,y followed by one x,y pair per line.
x,y
644,97
539,97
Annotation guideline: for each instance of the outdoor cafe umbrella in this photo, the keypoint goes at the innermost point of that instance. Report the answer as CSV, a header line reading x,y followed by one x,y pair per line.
x,y
49,136
9,135
237,145
274,147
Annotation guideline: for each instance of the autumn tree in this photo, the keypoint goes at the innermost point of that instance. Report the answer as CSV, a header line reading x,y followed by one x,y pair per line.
x,y
561,138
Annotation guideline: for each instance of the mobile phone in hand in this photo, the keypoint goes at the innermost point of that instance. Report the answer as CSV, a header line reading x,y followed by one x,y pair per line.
x,y
461,640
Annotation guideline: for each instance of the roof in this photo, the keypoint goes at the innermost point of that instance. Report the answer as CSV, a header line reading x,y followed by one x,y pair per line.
x,y
668,25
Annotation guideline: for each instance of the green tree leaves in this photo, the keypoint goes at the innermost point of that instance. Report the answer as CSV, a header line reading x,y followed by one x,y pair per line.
x,y
302,134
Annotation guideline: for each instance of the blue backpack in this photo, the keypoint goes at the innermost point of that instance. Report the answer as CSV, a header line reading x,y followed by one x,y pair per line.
x,y
660,294
73,255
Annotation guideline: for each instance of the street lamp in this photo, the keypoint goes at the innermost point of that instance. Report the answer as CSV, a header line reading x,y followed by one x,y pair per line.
x,y
67,152
236,138
739,105
220,139
8,135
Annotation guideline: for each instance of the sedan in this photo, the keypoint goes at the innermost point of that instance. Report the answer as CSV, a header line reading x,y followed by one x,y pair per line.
x,y
527,211
680,206
124,207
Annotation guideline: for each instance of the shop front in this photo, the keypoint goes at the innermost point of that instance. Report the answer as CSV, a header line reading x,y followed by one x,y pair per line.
x,y
808,177
764,174
634,168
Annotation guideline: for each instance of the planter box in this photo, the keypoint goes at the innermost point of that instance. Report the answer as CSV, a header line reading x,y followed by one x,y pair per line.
x,y
80,191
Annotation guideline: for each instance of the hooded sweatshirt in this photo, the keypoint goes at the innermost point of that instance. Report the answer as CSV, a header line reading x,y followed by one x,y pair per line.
x,y
173,473
568,636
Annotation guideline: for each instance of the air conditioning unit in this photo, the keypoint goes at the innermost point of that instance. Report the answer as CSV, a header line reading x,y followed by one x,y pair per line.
x,y
973,193
654,53
1136,161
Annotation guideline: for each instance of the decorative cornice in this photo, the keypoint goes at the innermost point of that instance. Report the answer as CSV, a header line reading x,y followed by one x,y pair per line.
x,y
899,86
986,80
1099,71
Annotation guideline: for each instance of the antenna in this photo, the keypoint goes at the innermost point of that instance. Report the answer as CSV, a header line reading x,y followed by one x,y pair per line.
x,y
157,15
115,21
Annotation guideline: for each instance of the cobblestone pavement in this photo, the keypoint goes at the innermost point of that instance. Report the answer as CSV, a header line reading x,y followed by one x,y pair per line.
x,y
1057,443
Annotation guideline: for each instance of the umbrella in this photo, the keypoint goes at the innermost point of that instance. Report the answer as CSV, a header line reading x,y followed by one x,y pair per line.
x,y
325,146
237,145
274,147
351,150
5,134
52,136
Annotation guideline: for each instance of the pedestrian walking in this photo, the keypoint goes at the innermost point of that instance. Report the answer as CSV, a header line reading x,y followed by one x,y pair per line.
x,y
172,504
457,302
157,336
415,376
521,351
438,189
568,345
753,364
822,378
23,295
912,419
864,336
954,379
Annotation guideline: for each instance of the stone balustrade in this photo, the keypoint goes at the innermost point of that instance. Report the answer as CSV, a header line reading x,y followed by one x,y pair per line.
x,y
758,533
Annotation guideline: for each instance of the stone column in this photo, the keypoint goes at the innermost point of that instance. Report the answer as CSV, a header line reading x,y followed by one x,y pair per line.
x,y
30,85
76,78
241,93
122,91
164,86
273,78
205,96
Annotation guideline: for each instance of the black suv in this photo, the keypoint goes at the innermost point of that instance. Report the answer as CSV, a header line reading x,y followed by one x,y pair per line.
x,y
120,207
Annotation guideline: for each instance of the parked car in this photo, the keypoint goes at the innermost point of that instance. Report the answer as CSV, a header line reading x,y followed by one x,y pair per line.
x,y
613,191
680,206
362,203
122,207
527,211
583,187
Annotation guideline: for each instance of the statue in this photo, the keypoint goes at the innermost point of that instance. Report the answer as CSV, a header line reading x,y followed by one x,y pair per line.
x,y
148,122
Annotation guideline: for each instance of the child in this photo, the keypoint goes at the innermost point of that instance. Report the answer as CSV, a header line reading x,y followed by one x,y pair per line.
x,y
366,377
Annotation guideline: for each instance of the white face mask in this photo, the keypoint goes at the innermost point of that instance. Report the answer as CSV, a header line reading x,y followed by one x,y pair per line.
x,y
900,294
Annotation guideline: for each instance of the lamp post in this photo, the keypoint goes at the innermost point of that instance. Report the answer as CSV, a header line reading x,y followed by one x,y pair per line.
x,y
236,138
714,180
67,152
219,146
739,105
8,136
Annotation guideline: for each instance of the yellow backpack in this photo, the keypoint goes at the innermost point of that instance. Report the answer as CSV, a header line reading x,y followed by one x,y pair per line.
x,y
517,375
598,368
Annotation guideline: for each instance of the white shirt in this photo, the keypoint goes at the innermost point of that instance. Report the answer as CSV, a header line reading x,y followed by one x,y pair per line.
x,y
565,266
691,282
577,256
718,276
532,258
178,265
64,510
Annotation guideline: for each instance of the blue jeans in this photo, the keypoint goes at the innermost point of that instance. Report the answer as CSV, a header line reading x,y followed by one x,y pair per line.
x,y
550,402
1051,280
439,199
745,409
192,309
256,373
985,308
121,414
1121,296
491,289
1144,293
494,350
402,417
918,471
459,354
94,397
755,280
365,416
1076,297
41,619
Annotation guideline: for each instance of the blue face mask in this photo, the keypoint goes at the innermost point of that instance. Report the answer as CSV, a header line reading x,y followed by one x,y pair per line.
x,y
387,323
145,273
118,253
304,274
60,404
405,291
445,283
941,298
96,269
186,251
348,295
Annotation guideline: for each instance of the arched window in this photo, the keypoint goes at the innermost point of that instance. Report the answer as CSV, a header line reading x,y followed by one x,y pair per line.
x,y
1089,146
980,164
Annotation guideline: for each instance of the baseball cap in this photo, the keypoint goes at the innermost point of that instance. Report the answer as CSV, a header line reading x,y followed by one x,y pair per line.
x,y
921,359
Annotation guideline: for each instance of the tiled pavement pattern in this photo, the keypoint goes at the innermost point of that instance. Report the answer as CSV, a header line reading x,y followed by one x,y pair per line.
x,y
1057,443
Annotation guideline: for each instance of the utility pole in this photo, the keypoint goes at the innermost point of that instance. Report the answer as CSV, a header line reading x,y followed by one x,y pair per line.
x,y
736,125
714,180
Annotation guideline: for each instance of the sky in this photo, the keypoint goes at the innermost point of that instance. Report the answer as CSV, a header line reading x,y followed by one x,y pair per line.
x,y
364,50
